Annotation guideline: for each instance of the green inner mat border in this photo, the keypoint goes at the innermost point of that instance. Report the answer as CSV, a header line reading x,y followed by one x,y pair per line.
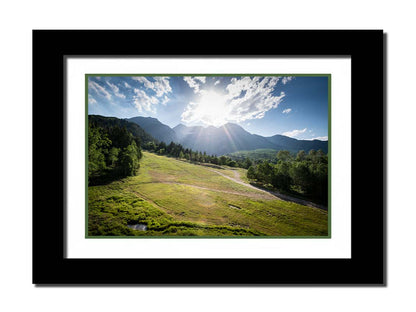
x,y
209,75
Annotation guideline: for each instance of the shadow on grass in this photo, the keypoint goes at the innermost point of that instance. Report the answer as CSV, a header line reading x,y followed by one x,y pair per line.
x,y
105,179
290,198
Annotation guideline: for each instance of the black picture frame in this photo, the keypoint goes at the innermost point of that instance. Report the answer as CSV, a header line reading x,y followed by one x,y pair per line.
x,y
367,263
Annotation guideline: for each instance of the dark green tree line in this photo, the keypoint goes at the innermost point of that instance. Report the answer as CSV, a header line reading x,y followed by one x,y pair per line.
x,y
306,174
113,152
178,151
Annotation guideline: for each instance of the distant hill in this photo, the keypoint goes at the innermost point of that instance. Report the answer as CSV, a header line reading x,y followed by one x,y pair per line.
x,y
107,122
230,138
294,145
155,128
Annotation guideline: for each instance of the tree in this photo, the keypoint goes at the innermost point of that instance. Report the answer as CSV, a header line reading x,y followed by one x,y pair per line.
x,y
170,148
113,156
120,137
321,157
281,177
251,173
129,162
247,163
283,155
264,172
301,176
312,155
98,143
223,160
301,156
319,187
151,146
162,146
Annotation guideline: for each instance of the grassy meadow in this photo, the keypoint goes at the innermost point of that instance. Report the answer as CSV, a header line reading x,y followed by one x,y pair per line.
x,y
174,197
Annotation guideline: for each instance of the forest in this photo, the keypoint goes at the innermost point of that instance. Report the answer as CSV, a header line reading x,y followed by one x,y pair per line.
x,y
303,175
113,153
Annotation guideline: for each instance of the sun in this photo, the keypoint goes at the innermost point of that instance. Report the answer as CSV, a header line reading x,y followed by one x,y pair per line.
x,y
212,108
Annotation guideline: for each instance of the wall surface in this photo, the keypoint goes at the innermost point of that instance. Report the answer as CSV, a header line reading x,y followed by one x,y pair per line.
x,y
17,20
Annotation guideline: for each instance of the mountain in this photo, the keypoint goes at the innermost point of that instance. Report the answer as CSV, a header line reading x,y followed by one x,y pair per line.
x,y
108,122
231,138
155,128
182,131
294,145
218,141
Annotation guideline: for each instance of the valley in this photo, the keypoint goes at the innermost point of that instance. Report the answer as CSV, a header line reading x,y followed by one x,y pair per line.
x,y
173,197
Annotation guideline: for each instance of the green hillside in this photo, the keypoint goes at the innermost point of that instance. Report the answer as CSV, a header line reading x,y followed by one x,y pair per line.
x,y
170,197
110,122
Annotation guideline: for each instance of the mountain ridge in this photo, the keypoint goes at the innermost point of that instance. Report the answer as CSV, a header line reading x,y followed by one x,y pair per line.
x,y
155,128
224,139
135,129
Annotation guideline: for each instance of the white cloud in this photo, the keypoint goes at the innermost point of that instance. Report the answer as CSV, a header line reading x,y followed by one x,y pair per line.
x,y
244,98
237,86
160,85
294,133
201,78
216,82
287,111
144,102
321,138
251,98
190,113
192,83
286,79
147,83
100,90
91,100
165,100
127,85
116,90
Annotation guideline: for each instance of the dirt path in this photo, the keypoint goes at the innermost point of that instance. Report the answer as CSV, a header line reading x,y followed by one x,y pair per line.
x,y
238,180
252,195
275,194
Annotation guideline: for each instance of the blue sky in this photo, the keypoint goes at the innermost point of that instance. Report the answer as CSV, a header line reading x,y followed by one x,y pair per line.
x,y
264,105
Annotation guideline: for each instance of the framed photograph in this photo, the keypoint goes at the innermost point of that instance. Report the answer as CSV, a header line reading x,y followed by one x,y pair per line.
x,y
237,152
